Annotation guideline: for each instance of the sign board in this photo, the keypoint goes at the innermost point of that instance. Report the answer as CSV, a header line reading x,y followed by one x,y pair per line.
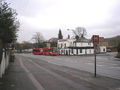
x,y
95,39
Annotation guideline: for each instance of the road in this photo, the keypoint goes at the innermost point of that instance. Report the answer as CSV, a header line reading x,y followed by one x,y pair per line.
x,y
107,65
34,72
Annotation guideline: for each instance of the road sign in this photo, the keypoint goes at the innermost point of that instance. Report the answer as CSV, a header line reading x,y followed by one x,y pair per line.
x,y
95,39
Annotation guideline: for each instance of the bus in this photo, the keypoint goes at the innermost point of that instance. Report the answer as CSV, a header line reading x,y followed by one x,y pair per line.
x,y
51,51
37,51
46,51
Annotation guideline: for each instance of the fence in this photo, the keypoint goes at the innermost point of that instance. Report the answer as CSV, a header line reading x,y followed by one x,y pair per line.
x,y
4,64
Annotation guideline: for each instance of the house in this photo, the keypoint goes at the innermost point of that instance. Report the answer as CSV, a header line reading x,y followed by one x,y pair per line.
x,y
102,45
75,47
81,46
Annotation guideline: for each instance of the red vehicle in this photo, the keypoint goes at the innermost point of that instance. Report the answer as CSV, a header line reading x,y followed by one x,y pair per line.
x,y
38,51
46,51
51,51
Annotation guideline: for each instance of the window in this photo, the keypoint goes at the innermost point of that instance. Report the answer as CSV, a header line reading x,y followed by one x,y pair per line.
x,y
64,51
104,50
61,45
36,50
80,50
72,50
65,45
77,51
55,50
61,51
41,50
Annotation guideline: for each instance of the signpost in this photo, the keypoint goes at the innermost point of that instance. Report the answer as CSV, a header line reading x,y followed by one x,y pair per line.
x,y
95,39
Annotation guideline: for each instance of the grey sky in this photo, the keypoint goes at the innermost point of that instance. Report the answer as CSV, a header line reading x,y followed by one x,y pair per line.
x,y
47,16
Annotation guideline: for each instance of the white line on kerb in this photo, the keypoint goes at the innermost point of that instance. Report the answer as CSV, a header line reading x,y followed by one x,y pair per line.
x,y
32,78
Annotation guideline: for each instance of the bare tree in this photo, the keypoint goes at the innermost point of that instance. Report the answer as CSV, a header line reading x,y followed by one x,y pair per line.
x,y
38,38
80,31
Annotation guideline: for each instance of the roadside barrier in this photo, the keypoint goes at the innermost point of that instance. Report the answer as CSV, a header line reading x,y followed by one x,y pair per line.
x,y
4,64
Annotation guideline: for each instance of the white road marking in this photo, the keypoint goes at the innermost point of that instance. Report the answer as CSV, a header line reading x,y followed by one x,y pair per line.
x,y
32,78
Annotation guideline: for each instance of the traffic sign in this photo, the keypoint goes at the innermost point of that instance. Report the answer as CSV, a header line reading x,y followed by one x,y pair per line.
x,y
95,39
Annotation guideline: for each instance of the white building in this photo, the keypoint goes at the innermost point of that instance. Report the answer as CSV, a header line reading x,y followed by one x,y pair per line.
x,y
75,47
78,47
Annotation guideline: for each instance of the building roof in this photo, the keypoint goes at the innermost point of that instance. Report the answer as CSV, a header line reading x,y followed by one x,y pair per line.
x,y
82,39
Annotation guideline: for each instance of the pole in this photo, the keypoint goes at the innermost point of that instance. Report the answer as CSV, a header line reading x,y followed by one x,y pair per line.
x,y
95,60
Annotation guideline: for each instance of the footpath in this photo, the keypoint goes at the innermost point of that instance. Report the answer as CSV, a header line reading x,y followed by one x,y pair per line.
x,y
15,78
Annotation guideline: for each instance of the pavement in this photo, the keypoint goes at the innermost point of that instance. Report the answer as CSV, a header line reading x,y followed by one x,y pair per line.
x,y
33,72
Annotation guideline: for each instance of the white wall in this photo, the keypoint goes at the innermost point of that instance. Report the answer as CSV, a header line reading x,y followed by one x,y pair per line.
x,y
102,49
69,43
69,51
84,44
65,42
4,64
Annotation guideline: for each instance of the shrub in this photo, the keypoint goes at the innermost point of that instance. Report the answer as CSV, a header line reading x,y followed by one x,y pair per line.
x,y
118,55
118,48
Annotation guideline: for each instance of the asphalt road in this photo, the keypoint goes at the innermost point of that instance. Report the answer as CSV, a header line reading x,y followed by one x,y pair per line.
x,y
34,72
107,64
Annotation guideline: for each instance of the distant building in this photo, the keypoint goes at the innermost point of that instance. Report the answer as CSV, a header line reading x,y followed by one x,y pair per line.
x,y
53,39
102,45
52,42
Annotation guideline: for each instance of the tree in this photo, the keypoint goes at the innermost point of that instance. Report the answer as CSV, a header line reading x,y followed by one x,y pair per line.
x,y
38,39
53,41
80,31
27,45
118,48
18,47
22,46
60,36
8,26
53,44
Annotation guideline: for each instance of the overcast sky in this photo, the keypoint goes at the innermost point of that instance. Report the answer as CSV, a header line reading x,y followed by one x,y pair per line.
x,y
100,17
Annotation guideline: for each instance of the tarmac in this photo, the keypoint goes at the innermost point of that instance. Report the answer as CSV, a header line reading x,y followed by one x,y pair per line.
x,y
64,78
